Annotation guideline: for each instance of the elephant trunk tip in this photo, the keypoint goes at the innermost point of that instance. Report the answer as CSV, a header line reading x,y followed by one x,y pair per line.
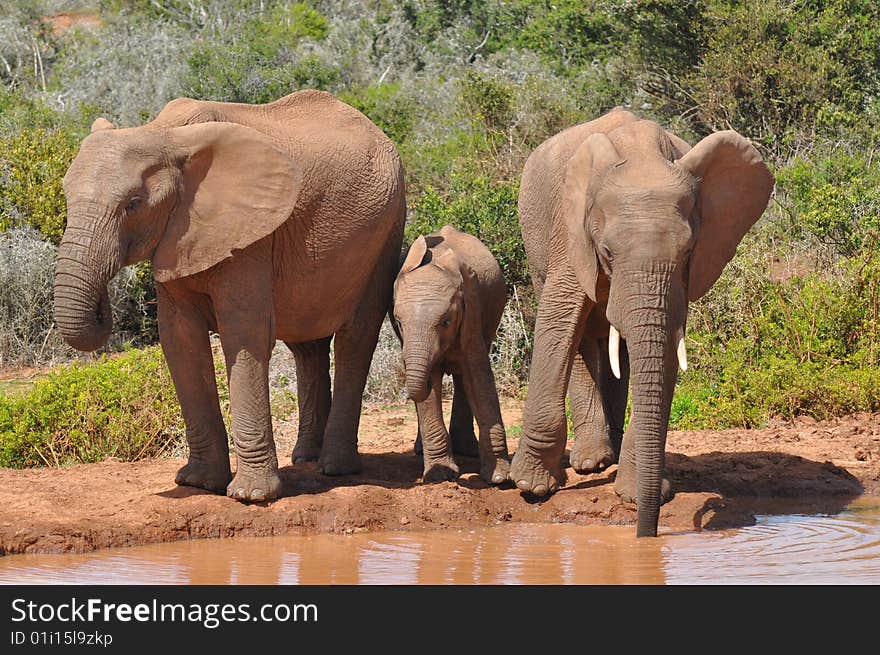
x,y
83,329
418,388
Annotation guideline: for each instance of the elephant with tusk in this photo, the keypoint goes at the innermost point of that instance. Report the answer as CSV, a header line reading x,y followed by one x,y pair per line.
x,y
623,224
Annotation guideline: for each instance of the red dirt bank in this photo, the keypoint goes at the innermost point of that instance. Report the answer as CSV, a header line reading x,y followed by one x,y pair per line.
x,y
722,479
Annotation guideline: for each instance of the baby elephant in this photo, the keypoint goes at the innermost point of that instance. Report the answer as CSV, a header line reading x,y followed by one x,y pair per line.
x,y
448,301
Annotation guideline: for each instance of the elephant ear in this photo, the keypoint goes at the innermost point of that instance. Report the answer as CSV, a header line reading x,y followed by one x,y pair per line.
x,y
593,158
237,187
416,255
102,123
735,186
471,327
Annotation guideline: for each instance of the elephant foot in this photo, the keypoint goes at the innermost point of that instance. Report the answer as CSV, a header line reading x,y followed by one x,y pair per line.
x,y
494,470
306,450
256,486
340,462
211,477
626,486
441,469
591,453
531,474
465,444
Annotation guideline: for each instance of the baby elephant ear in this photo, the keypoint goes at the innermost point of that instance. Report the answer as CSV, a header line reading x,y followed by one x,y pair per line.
x,y
416,255
102,123
237,187
735,186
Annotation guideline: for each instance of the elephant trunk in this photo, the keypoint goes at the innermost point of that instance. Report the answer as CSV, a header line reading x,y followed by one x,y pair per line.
x,y
82,302
418,360
651,330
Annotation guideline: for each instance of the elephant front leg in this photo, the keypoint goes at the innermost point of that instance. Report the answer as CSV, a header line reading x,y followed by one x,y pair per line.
x,y
247,335
483,398
537,464
313,397
183,334
436,443
598,404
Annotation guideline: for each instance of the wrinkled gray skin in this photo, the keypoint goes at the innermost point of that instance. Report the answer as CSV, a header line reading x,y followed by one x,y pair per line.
x,y
262,222
448,300
623,225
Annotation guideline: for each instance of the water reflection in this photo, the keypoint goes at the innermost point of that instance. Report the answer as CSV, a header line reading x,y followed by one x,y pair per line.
x,y
844,548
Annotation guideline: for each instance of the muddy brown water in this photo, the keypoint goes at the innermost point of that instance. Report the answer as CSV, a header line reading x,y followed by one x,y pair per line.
x,y
788,549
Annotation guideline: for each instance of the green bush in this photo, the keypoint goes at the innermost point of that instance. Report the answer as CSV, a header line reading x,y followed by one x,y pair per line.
x,y
482,208
257,64
769,67
813,347
836,198
32,166
122,406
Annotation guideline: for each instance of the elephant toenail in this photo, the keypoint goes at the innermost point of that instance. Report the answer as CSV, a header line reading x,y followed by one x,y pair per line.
x,y
589,464
257,494
523,485
540,490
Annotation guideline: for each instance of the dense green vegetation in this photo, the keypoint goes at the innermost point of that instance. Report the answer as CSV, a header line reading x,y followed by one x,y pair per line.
x,y
121,407
467,88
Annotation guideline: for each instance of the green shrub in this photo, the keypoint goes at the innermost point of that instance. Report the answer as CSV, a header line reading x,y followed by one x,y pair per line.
x,y
836,198
387,106
257,63
769,67
483,209
32,166
812,347
122,406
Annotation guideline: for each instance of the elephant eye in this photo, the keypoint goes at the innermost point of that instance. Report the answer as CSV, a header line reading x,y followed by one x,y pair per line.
x,y
133,204
445,322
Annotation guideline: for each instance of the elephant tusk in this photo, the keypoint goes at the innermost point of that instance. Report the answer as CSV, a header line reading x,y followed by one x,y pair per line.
x,y
614,351
682,355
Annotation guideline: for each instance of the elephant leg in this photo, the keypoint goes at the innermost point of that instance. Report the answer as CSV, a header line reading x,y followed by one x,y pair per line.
x,y
354,345
598,403
592,450
436,442
183,333
461,423
614,393
562,312
313,396
247,334
479,383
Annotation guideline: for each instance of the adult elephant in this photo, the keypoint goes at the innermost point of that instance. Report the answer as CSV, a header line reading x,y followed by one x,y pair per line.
x,y
270,221
623,225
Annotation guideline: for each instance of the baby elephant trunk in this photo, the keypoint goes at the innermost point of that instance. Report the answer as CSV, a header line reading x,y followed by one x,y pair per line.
x,y
418,360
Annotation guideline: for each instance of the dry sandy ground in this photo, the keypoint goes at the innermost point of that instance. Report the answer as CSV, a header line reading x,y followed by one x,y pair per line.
x,y
722,479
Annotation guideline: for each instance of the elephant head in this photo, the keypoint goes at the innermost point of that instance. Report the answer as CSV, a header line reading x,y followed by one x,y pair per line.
x,y
186,198
650,226
430,295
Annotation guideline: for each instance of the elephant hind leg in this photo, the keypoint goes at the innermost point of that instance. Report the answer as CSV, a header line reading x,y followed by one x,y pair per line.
x,y
461,423
354,345
313,396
